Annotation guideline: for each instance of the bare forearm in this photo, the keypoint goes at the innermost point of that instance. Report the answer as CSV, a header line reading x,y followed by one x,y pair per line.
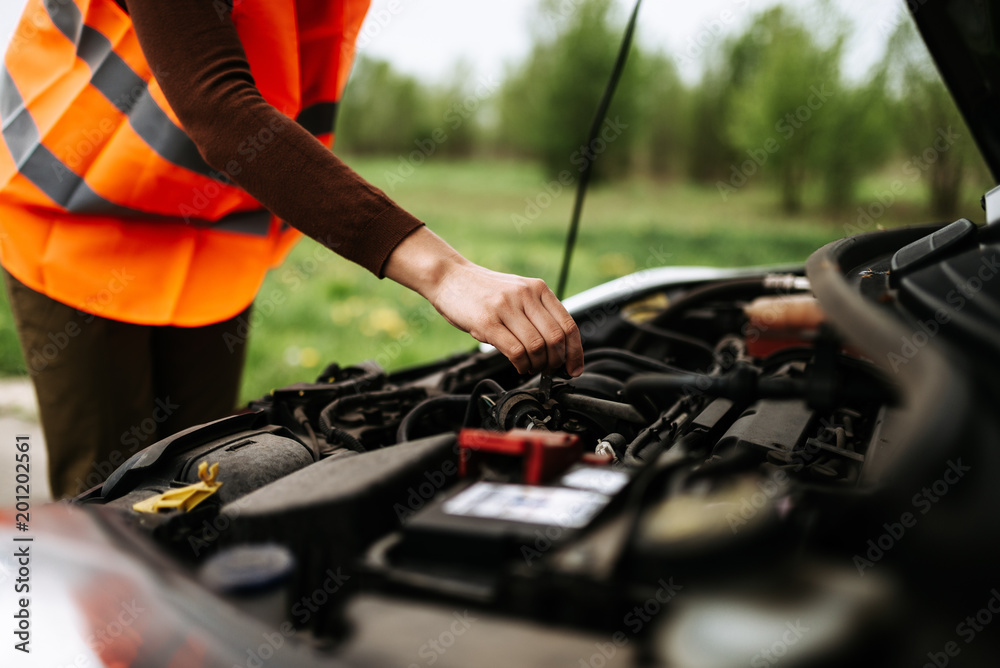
x,y
519,316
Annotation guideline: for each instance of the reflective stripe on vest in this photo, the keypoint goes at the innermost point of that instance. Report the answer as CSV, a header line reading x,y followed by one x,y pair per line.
x,y
88,135
128,92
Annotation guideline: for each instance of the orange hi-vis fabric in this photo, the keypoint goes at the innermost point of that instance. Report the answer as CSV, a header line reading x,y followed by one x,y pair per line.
x,y
105,203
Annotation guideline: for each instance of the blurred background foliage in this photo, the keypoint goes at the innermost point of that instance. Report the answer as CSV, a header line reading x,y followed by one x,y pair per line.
x,y
775,150
758,86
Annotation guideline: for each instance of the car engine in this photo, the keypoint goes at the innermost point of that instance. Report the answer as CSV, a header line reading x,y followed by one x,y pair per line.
x,y
754,466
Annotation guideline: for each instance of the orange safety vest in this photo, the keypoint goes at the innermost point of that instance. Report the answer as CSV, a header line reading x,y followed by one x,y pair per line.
x,y
105,203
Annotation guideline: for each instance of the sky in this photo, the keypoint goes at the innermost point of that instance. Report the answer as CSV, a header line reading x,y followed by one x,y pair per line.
x,y
427,37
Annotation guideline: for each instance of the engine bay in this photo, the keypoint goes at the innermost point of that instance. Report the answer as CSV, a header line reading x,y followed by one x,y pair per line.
x,y
738,454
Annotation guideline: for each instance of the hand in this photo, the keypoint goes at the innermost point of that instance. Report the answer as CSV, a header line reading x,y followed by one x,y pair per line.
x,y
520,317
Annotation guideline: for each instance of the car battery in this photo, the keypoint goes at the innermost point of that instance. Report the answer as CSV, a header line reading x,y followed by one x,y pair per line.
x,y
521,489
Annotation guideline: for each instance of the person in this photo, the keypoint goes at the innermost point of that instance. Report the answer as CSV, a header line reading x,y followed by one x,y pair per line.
x,y
157,159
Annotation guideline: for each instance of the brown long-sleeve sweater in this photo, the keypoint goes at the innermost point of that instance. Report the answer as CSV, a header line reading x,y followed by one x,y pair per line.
x,y
212,91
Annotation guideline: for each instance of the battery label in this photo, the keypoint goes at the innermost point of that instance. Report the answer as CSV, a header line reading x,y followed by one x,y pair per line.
x,y
596,480
556,506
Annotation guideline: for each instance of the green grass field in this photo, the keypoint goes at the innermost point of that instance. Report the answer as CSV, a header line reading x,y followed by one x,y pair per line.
x,y
318,308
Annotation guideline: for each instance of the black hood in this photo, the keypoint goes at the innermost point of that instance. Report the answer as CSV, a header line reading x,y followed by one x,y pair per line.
x,y
961,35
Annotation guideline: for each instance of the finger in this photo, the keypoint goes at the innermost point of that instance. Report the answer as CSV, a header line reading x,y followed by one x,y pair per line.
x,y
497,335
532,341
573,344
552,332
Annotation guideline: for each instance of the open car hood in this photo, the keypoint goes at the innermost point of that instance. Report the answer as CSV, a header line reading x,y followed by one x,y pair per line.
x,y
961,35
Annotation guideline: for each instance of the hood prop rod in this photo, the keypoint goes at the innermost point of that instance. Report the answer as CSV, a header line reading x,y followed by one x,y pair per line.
x,y
595,128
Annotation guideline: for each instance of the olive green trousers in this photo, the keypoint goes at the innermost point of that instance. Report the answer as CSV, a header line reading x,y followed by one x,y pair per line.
x,y
107,389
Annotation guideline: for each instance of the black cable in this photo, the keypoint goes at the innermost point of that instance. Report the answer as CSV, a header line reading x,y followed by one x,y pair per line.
x,y
620,371
352,401
739,288
598,406
650,441
648,385
675,338
337,436
424,407
314,445
595,128
478,391
629,357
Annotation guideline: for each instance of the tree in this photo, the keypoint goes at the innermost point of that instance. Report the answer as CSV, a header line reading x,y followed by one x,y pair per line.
x,y
711,152
456,110
782,84
662,114
548,103
383,111
858,130
857,138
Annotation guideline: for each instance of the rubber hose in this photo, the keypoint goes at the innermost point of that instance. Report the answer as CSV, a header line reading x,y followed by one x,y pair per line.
x,y
421,409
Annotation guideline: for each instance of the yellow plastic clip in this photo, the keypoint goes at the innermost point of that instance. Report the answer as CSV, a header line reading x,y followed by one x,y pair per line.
x,y
184,498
